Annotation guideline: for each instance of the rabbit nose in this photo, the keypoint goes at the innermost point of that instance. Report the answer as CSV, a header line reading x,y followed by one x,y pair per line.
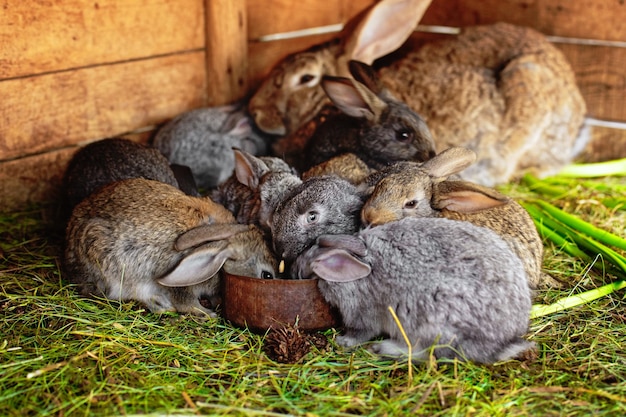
x,y
372,217
268,123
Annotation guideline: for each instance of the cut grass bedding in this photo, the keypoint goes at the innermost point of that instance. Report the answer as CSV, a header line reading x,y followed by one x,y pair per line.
x,y
64,355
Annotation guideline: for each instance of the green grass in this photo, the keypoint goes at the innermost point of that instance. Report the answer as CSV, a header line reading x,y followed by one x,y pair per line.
x,y
62,355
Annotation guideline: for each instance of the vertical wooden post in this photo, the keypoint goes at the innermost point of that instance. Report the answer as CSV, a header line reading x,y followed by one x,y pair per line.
x,y
226,51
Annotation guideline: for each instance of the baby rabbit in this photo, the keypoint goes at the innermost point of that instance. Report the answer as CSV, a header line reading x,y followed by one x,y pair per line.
x,y
255,188
409,189
203,139
320,205
347,166
375,126
109,160
454,286
502,90
147,241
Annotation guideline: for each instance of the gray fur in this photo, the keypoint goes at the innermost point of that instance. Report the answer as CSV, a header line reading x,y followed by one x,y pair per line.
x,y
320,205
452,284
109,160
255,188
120,243
202,139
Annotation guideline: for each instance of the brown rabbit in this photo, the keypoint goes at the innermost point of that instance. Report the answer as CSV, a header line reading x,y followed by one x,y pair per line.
x,y
347,166
147,241
501,90
409,189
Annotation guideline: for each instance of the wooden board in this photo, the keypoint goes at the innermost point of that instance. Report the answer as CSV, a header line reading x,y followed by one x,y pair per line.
x,y
55,110
39,37
594,19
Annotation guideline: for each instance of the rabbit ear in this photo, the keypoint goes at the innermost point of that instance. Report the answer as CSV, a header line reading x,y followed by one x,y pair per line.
x,y
353,98
337,265
348,242
466,197
207,233
198,266
365,74
449,162
384,29
249,169
236,124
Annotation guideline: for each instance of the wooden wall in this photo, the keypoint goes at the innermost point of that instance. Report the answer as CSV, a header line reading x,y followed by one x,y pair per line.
x,y
76,71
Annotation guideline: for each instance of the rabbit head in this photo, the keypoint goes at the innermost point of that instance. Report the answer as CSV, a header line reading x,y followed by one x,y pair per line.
x,y
347,166
384,130
292,93
320,205
136,239
406,188
455,287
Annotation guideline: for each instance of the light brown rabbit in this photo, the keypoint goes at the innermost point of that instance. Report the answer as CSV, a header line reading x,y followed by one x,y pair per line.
x,y
147,241
501,90
409,189
347,166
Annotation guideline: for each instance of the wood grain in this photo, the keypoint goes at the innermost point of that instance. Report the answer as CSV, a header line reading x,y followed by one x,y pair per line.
x,y
44,36
227,57
55,110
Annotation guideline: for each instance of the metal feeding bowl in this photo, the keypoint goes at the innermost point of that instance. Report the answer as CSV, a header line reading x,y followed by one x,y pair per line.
x,y
260,304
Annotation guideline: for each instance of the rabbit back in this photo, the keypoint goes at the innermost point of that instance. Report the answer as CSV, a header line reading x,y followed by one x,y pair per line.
x,y
501,90
120,240
109,160
450,283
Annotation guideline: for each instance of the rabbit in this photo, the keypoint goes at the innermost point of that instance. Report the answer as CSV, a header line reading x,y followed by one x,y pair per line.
x,y
409,189
202,139
109,160
374,125
144,240
320,205
255,188
456,288
501,90
348,166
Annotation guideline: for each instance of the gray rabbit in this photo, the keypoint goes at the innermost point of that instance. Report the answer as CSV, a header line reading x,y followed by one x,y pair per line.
x,y
320,205
374,125
109,160
202,139
147,241
255,188
424,190
456,288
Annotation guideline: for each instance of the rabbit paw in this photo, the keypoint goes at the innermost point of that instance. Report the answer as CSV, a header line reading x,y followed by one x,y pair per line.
x,y
353,337
389,348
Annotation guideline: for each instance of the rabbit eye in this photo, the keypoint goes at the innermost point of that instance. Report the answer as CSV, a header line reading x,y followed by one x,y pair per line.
x,y
410,204
306,78
312,217
404,135
267,275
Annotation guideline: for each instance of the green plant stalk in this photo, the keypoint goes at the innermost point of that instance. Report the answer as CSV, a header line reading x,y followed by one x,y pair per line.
x,y
582,226
539,310
569,240
598,186
536,185
547,228
599,169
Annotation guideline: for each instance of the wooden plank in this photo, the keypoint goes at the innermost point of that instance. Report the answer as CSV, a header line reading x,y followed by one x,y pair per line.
x,y
601,76
276,16
605,144
55,110
32,180
593,19
227,58
39,37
